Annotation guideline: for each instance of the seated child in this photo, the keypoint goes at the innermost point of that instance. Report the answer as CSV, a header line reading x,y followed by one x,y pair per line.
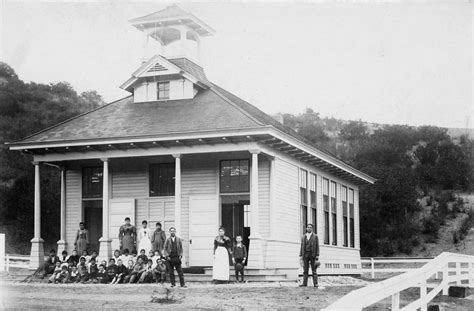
x,y
83,275
156,255
50,264
74,275
93,269
56,271
136,271
125,257
102,276
143,256
116,255
104,263
151,253
62,276
134,256
94,255
85,254
147,273
129,271
74,258
64,257
122,271
111,270
239,255
160,270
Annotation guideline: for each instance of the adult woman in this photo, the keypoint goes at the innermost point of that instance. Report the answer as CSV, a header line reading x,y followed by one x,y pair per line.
x,y
82,239
144,241
127,236
220,268
158,239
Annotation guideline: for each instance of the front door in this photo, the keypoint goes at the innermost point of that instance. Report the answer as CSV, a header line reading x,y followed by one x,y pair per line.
x,y
93,222
235,220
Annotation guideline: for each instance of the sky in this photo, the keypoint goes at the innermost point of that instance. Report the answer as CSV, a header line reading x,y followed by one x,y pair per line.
x,y
400,62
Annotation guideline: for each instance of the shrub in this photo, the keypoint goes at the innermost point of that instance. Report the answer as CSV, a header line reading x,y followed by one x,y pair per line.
x,y
431,226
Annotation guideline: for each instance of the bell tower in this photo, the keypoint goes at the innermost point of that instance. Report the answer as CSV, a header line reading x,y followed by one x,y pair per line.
x,y
177,32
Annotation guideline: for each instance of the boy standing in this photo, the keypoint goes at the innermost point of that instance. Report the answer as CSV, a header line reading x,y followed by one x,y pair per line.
x,y
239,255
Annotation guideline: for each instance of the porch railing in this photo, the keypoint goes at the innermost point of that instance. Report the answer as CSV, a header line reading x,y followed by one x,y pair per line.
x,y
374,265
438,274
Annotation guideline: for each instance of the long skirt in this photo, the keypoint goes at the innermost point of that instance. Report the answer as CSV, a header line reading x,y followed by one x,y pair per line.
x,y
145,244
220,268
81,246
128,243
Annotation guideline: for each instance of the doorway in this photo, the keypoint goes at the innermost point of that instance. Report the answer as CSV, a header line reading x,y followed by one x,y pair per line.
x,y
93,222
235,218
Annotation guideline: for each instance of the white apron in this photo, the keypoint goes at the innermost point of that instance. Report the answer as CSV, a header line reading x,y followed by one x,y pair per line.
x,y
144,241
220,268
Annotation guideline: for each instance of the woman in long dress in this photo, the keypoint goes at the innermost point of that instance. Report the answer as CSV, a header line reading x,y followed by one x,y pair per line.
x,y
127,236
220,268
144,240
158,239
82,239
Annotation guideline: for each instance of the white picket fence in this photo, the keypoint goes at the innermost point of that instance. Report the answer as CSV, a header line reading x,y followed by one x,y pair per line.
x,y
438,274
8,261
379,264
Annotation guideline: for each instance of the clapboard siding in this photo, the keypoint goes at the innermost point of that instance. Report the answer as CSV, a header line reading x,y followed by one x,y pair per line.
x,y
264,196
73,207
129,184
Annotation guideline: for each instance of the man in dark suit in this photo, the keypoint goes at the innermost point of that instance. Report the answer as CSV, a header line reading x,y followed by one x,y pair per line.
x,y
173,251
309,254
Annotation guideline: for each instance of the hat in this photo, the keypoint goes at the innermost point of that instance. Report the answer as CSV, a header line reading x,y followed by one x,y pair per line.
x,y
239,266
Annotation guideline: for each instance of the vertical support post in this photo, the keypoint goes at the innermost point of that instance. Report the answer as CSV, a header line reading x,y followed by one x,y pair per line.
x,y
177,193
62,236
445,279
37,251
2,252
458,273
356,219
273,224
372,267
396,301
255,259
105,246
471,274
424,306
7,263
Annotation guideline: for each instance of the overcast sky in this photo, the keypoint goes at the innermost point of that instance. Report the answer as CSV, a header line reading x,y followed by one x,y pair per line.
x,y
403,62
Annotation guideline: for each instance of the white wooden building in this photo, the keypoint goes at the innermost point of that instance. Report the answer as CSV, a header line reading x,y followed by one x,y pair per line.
x,y
185,152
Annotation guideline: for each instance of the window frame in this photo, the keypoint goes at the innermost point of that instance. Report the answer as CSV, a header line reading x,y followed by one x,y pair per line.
x,y
151,180
326,210
221,188
165,90
83,182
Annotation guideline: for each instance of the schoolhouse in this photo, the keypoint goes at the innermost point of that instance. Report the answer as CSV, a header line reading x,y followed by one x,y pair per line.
x,y
185,152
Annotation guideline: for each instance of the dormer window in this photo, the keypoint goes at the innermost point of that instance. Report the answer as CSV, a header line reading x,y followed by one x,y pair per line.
x,y
163,90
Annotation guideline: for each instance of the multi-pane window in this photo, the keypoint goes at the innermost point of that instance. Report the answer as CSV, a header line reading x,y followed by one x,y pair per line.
x,y
326,209
92,182
344,215
333,212
312,197
303,198
163,90
351,217
162,179
234,176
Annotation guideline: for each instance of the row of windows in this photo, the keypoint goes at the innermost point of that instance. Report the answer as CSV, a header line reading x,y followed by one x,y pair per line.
x,y
329,195
234,178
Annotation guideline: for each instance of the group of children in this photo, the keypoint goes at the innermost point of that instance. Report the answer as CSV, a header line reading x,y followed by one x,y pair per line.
x,y
121,268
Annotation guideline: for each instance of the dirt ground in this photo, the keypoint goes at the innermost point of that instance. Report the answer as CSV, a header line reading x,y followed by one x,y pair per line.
x,y
148,296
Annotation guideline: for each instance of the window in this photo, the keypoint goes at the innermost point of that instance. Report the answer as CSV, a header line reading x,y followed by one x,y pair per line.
x,y
163,90
333,213
326,209
351,217
92,182
344,216
303,199
312,197
162,179
234,176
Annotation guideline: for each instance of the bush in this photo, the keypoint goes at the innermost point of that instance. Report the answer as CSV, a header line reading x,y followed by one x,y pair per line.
x,y
431,226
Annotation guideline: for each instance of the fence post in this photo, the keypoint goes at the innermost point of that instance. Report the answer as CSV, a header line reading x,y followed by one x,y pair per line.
x,y
458,273
424,303
396,301
372,267
2,252
7,263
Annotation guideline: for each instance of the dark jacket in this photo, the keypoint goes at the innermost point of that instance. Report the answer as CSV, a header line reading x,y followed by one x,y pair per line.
x,y
313,242
179,246
239,252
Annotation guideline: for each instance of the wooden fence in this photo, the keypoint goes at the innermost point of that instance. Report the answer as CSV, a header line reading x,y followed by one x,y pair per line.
x,y
395,264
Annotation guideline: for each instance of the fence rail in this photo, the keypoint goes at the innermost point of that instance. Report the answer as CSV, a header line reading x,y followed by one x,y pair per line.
x,y
438,274
369,264
16,261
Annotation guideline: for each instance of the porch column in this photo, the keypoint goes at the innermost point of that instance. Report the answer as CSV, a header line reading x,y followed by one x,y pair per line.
x,y
37,251
256,251
177,194
62,239
105,246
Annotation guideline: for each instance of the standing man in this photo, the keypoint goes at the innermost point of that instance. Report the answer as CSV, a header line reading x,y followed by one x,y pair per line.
x,y
174,252
309,254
